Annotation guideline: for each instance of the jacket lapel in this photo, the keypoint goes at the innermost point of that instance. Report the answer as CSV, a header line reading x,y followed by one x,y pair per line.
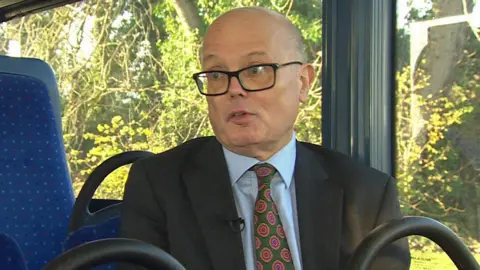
x,y
319,204
206,177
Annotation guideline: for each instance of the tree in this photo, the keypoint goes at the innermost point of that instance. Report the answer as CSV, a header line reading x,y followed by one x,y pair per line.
x,y
441,113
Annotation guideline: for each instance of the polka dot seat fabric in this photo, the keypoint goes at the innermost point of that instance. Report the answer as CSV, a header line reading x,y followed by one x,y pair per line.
x,y
36,195
39,69
107,229
11,257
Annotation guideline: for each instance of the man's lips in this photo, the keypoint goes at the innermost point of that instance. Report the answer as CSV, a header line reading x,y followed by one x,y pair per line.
x,y
240,117
238,113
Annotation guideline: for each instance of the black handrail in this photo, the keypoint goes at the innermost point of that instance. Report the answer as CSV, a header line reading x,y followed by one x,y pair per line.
x,y
114,250
81,215
396,229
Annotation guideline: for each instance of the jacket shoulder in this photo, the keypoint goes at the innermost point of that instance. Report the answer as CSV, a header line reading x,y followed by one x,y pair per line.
x,y
347,170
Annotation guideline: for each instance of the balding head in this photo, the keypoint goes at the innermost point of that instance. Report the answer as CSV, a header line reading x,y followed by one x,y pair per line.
x,y
291,34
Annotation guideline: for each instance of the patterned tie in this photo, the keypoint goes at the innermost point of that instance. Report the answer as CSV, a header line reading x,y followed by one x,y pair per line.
x,y
270,242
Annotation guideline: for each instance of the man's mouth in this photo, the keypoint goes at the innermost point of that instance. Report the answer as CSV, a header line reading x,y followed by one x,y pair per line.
x,y
238,114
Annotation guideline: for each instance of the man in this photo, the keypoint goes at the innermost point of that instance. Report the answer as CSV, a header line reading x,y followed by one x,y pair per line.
x,y
253,197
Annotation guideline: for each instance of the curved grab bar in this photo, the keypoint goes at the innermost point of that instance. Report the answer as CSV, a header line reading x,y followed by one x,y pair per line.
x,y
406,226
114,250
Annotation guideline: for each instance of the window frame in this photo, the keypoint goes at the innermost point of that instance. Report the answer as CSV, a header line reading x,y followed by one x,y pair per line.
x,y
358,84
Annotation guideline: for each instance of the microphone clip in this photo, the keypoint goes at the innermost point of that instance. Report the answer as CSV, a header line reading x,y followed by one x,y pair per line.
x,y
237,224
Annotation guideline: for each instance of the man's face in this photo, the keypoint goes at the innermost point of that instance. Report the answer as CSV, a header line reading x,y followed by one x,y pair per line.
x,y
251,123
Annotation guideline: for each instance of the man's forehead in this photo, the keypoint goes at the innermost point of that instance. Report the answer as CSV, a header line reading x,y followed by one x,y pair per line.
x,y
241,42
251,39
247,32
241,29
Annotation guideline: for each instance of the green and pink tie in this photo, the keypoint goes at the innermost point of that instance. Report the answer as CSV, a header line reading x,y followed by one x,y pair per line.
x,y
270,241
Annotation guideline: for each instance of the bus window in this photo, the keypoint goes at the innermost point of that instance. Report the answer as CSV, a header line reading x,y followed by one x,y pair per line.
x,y
124,74
438,120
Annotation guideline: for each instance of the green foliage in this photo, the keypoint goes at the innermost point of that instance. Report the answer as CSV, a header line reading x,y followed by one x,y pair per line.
x,y
111,139
183,116
425,260
430,179
436,178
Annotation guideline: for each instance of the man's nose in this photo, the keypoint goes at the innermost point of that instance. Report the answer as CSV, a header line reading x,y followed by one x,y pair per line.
x,y
235,88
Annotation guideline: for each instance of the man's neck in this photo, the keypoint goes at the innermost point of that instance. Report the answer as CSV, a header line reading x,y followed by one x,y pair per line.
x,y
283,160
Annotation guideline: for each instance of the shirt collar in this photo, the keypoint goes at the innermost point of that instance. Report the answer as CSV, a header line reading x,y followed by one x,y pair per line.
x,y
283,161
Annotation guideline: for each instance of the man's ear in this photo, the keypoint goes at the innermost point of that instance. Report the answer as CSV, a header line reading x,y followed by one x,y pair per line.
x,y
307,76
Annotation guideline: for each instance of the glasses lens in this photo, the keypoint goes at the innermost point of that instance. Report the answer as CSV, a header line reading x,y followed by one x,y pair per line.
x,y
258,77
253,78
212,83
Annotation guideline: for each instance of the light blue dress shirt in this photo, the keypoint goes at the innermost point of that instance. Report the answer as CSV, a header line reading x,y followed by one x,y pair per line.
x,y
245,189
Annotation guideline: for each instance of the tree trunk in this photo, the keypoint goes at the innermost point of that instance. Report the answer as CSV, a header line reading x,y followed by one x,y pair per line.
x,y
445,46
189,16
443,50
442,55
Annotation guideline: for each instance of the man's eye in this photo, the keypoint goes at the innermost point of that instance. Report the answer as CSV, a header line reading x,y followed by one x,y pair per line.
x,y
215,75
255,70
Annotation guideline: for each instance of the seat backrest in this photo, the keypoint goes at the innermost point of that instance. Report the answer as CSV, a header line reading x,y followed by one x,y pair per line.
x,y
107,229
11,257
36,194
40,70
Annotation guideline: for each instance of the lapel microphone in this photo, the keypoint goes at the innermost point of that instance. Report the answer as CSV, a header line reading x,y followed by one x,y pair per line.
x,y
237,224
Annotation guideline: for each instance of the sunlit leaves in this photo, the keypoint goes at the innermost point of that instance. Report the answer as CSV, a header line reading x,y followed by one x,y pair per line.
x,y
428,164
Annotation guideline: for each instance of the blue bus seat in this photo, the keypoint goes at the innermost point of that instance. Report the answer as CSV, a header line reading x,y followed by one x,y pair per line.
x,y
11,257
104,222
106,229
36,194
40,70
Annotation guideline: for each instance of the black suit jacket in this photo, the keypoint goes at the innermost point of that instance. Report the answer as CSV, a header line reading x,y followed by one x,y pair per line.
x,y
181,201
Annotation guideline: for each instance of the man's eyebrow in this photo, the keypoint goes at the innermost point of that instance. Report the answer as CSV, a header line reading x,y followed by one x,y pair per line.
x,y
208,57
257,53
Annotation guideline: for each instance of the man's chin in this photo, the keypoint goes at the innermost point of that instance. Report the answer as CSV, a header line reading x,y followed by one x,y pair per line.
x,y
242,140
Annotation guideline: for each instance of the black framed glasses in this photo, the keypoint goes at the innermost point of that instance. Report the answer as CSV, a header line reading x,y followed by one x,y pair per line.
x,y
253,78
